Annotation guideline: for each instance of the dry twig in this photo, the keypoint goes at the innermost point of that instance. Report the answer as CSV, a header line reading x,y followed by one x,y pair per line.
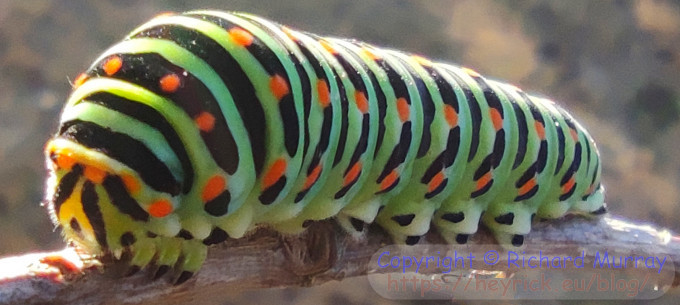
x,y
267,259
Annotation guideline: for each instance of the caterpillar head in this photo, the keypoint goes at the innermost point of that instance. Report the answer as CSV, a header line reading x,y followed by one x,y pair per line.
x,y
101,204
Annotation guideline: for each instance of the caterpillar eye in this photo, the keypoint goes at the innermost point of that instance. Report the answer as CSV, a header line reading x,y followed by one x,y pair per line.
x,y
75,226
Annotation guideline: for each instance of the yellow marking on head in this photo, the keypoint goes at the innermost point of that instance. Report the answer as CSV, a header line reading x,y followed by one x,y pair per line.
x,y
72,209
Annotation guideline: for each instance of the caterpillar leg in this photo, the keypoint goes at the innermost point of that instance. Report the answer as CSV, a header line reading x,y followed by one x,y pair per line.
x,y
552,210
509,222
168,251
354,220
406,221
163,254
309,214
456,222
193,255
592,204
143,251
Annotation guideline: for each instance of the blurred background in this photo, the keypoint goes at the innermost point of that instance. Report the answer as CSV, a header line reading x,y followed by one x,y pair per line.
x,y
615,65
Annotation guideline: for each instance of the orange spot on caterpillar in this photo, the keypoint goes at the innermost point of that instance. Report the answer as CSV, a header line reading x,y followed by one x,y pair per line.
x,y
79,80
131,184
94,174
567,186
496,118
279,86
422,60
451,116
112,65
471,72
241,36
327,45
274,174
362,102
309,181
290,33
484,180
352,174
404,109
205,121
435,182
540,129
160,208
389,180
65,161
370,53
574,134
324,93
166,13
215,186
527,186
170,83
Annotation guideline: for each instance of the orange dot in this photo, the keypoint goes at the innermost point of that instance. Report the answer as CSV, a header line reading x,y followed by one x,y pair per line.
x,y
370,53
389,180
451,116
483,181
165,13
94,174
324,93
274,174
352,174
496,118
435,182
574,134
422,61
213,188
540,129
131,184
170,83
160,208
279,86
241,36
205,121
527,186
112,65
362,102
567,186
65,162
404,109
309,181
327,45
79,80
471,72
290,33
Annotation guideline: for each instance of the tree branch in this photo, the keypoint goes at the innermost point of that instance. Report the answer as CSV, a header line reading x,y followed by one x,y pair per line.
x,y
268,259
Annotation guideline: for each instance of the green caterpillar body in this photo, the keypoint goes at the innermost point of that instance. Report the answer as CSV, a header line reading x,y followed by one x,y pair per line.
x,y
198,127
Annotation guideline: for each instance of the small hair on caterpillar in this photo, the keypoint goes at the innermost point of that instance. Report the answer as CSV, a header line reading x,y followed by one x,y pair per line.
x,y
200,126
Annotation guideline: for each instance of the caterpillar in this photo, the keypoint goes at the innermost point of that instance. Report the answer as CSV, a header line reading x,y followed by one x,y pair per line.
x,y
200,126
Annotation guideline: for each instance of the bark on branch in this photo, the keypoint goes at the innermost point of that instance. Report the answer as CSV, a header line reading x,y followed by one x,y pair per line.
x,y
268,259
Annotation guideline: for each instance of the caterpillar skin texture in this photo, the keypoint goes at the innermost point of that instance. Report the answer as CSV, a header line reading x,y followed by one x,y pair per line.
x,y
198,127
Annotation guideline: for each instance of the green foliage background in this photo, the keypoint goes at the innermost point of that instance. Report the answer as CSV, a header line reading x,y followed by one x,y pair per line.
x,y
614,64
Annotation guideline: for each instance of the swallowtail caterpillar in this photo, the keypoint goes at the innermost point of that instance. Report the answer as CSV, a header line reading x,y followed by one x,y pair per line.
x,y
200,126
